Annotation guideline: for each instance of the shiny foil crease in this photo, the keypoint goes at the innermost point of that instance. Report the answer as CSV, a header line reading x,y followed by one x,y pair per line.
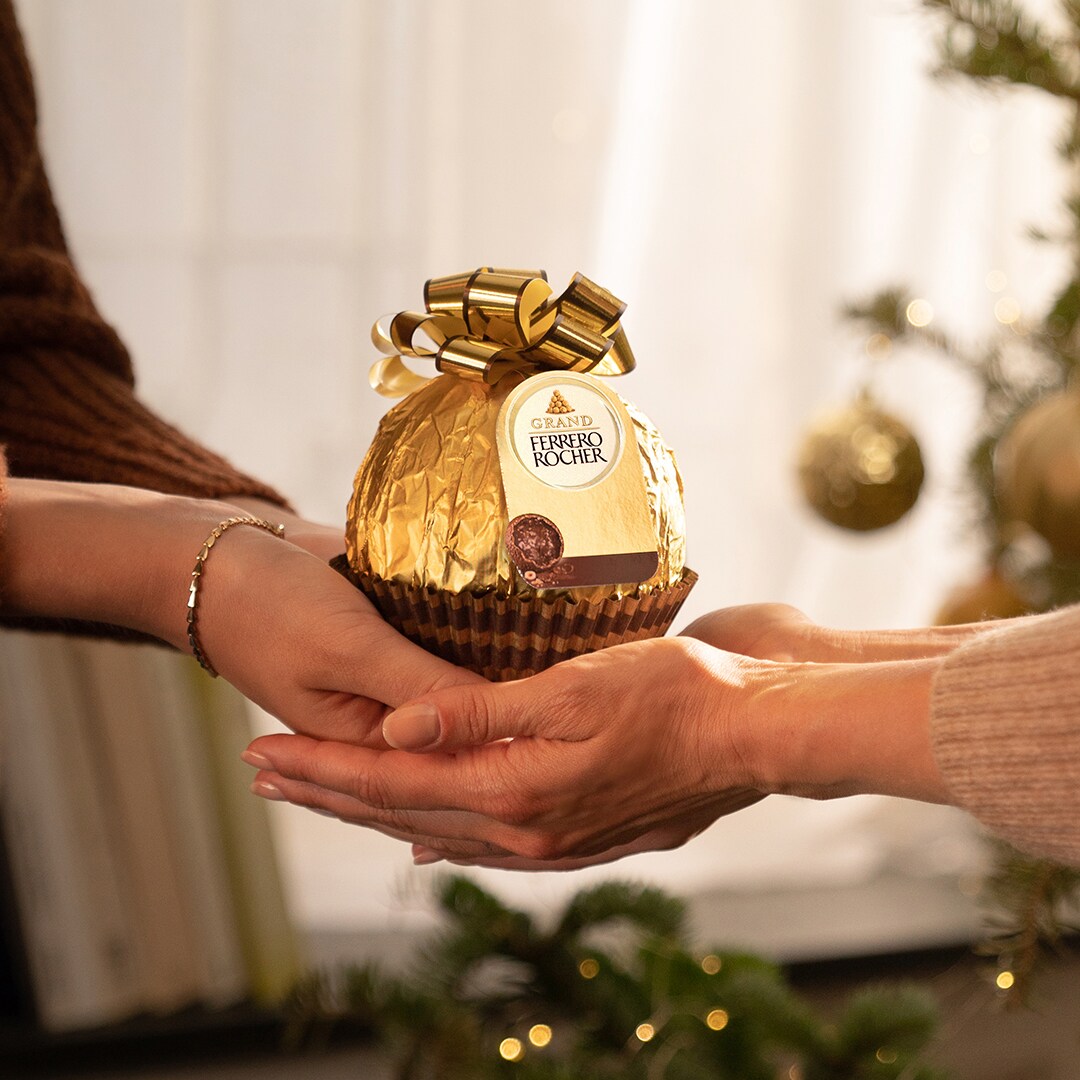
x,y
427,508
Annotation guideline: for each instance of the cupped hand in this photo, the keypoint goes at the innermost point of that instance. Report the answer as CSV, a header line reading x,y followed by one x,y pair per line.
x,y
766,631
782,633
302,642
273,618
633,748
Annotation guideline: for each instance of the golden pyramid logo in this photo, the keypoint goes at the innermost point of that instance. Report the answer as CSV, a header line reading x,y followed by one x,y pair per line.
x,y
559,405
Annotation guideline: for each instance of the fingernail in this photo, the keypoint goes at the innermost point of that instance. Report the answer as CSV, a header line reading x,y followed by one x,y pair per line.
x,y
257,760
412,728
267,791
426,858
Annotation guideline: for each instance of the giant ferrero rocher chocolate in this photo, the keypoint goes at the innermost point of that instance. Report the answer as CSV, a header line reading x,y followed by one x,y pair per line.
x,y
428,508
514,511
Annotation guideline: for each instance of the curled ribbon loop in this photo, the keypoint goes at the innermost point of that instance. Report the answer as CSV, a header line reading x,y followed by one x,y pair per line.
x,y
487,323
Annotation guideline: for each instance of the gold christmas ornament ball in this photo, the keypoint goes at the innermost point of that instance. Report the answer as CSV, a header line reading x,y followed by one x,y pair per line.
x,y
991,596
1037,471
860,468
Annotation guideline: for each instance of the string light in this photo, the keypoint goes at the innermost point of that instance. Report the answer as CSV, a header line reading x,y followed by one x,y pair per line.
x,y
645,1032
711,964
795,1073
920,312
1005,980
511,1049
539,1034
717,1019
878,346
886,1055
1007,310
588,969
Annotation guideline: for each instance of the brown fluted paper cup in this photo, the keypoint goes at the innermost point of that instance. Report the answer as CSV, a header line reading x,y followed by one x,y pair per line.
x,y
510,637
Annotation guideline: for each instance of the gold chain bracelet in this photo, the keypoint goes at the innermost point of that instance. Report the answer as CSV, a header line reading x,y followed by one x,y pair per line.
x,y
196,578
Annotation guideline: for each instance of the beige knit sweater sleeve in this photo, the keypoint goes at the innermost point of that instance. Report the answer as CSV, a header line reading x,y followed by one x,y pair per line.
x,y
1005,722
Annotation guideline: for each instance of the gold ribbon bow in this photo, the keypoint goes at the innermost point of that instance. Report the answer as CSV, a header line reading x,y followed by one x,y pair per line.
x,y
484,324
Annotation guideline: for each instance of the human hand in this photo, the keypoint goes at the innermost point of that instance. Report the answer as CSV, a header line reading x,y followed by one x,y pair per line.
x,y
777,632
782,633
325,541
629,749
634,748
299,640
275,620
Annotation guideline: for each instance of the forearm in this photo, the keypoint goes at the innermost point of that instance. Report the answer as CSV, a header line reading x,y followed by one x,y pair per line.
x,y
829,730
830,645
102,553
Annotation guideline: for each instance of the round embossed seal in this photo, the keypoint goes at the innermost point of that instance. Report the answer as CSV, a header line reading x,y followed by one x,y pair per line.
x,y
534,542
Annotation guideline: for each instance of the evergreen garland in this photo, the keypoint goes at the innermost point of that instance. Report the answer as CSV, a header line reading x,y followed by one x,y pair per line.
x,y
610,992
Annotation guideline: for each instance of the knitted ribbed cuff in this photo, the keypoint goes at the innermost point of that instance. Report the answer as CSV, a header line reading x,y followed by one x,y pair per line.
x,y
65,419
1005,724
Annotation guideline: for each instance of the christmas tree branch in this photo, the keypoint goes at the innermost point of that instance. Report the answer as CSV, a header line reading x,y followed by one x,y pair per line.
x,y
643,1006
993,41
1029,898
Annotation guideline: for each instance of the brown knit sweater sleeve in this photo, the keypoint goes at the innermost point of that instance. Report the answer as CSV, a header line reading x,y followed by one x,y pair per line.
x,y
3,497
67,405
1005,721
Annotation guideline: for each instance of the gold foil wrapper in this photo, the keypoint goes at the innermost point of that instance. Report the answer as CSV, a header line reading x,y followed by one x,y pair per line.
x,y
428,512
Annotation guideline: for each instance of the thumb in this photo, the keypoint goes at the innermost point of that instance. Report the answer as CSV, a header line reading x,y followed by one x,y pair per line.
x,y
385,665
764,631
477,713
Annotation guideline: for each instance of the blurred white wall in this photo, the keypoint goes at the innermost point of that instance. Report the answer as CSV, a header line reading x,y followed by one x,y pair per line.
x,y
248,184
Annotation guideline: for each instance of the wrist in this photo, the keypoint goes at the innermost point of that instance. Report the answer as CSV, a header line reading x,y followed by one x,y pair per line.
x,y
324,541
195,589
829,730
869,646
